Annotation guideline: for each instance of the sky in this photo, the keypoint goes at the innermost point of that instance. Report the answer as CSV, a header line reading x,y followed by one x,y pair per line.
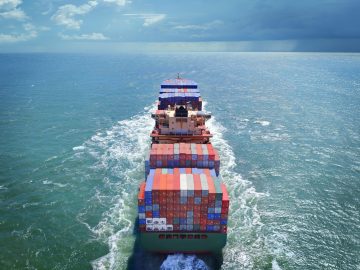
x,y
203,25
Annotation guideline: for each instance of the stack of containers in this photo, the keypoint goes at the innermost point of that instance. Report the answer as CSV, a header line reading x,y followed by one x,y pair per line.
x,y
183,199
183,191
179,91
170,99
179,83
182,155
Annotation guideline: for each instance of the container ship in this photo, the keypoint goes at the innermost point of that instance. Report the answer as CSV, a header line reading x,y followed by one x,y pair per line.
x,y
183,205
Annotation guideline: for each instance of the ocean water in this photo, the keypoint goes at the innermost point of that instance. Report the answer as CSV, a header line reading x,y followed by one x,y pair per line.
x,y
74,130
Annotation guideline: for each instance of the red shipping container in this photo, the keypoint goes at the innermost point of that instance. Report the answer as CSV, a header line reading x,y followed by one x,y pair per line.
x,y
197,185
155,201
210,222
217,158
211,151
170,207
197,208
183,207
169,215
211,203
176,171
141,194
203,221
203,228
223,228
182,151
176,207
176,227
196,220
182,214
176,185
190,201
162,207
162,201
148,214
156,185
199,152
204,200
170,185
163,185
216,222
163,152
211,187
169,200
170,152
177,199
225,200
193,163
224,210
152,154
188,152
224,216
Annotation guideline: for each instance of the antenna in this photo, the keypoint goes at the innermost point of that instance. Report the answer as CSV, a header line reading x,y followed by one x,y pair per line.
x,y
178,75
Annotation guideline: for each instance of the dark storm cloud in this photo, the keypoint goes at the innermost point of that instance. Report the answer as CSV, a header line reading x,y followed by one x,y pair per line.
x,y
287,19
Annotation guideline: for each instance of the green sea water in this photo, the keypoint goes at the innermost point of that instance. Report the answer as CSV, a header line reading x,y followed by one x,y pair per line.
x,y
74,130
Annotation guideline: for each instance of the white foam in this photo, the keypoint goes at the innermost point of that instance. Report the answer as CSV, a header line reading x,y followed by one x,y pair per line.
x,y
244,217
119,151
264,123
275,265
183,262
47,182
79,148
51,158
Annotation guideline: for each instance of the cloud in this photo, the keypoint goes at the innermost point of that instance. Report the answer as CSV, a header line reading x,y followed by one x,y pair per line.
x,y
117,2
30,33
9,4
202,27
92,36
65,15
149,19
9,10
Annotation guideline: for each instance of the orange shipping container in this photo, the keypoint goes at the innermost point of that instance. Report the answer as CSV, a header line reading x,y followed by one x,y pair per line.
x,y
197,185
225,200
156,185
170,185
163,185
141,194
211,188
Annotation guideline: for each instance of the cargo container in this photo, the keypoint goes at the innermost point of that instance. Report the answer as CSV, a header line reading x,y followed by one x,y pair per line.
x,y
183,205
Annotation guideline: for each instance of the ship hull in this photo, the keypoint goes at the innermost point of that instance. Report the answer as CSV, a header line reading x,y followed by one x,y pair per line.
x,y
170,242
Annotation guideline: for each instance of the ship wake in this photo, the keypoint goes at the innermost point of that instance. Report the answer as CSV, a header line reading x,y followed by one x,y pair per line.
x,y
119,153
244,227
